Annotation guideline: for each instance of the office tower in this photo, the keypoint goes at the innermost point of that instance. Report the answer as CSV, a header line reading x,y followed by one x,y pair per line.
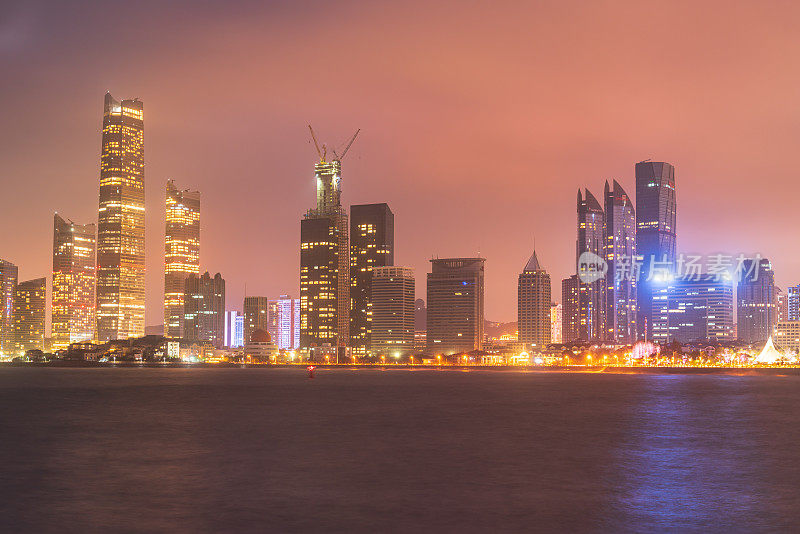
x,y
570,312
284,322
73,299
120,228
234,329
655,234
30,299
591,240
533,305
697,309
181,253
781,305
392,295
8,283
455,305
204,309
256,315
325,264
371,245
793,303
556,318
755,298
787,335
620,256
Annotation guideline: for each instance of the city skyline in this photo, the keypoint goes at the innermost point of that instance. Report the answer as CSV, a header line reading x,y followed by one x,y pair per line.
x,y
376,171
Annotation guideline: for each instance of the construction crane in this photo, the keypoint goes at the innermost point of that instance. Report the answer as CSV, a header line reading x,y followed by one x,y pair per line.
x,y
344,152
322,152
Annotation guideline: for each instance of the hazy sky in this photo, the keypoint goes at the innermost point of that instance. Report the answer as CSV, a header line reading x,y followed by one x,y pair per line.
x,y
479,122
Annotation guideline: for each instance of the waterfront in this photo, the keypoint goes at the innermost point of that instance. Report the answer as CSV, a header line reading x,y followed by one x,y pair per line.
x,y
204,450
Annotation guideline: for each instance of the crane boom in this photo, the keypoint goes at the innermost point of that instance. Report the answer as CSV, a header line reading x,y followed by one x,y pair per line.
x,y
316,144
349,145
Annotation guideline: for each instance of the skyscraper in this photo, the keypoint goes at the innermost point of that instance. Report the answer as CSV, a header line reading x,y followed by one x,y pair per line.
x,y
556,318
793,303
30,299
781,305
392,299
284,322
755,296
256,315
371,245
204,309
455,305
570,309
620,254
73,296
656,209
181,253
8,283
533,305
120,229
234,329
591,241
698,309
325,263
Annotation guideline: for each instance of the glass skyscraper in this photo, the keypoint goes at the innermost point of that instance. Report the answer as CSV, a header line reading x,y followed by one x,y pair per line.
x,y
756,302
181,253
120,229
591,239
619,253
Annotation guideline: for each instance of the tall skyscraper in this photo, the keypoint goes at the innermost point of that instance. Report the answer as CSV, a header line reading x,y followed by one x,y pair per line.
x,y
697,309
234,329
30,299
284,322
533,305
325,263
181,253
392,298
204,309
570,311
591,240
73,296
656,210
8,284
620,255
120,229
371,245
793,303
755,296
256,315
455,305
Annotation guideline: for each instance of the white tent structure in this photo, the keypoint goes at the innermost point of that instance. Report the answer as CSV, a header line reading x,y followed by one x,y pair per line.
x,y
769,354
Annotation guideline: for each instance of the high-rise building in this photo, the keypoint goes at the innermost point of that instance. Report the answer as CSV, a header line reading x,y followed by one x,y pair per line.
x,y
283,320
533,305
787,335
570,312
793,303
30,299
8,283
781,305
755,297
455,305
392,298
120,228
234,329
256,315
620,256
325,264
73,299
204,309
591,241
655,234
697,309
371,245
181,253
556,318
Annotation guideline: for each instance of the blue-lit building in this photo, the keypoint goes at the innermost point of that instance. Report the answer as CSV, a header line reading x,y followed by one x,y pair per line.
x,y
793,303
694,309
234,329
283,322
756,301
655,233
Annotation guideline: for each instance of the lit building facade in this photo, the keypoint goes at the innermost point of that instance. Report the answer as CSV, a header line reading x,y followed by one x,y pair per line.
x,y
120,229
656,209
393,308
204,309
781,305
283,320
620,254
73,297
533,305
696,310
30,299
793,303
325,264
556,317
371,245
787,335
9,276
755,300
591,239
256,315
234,329
570,311
181,253
455,293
